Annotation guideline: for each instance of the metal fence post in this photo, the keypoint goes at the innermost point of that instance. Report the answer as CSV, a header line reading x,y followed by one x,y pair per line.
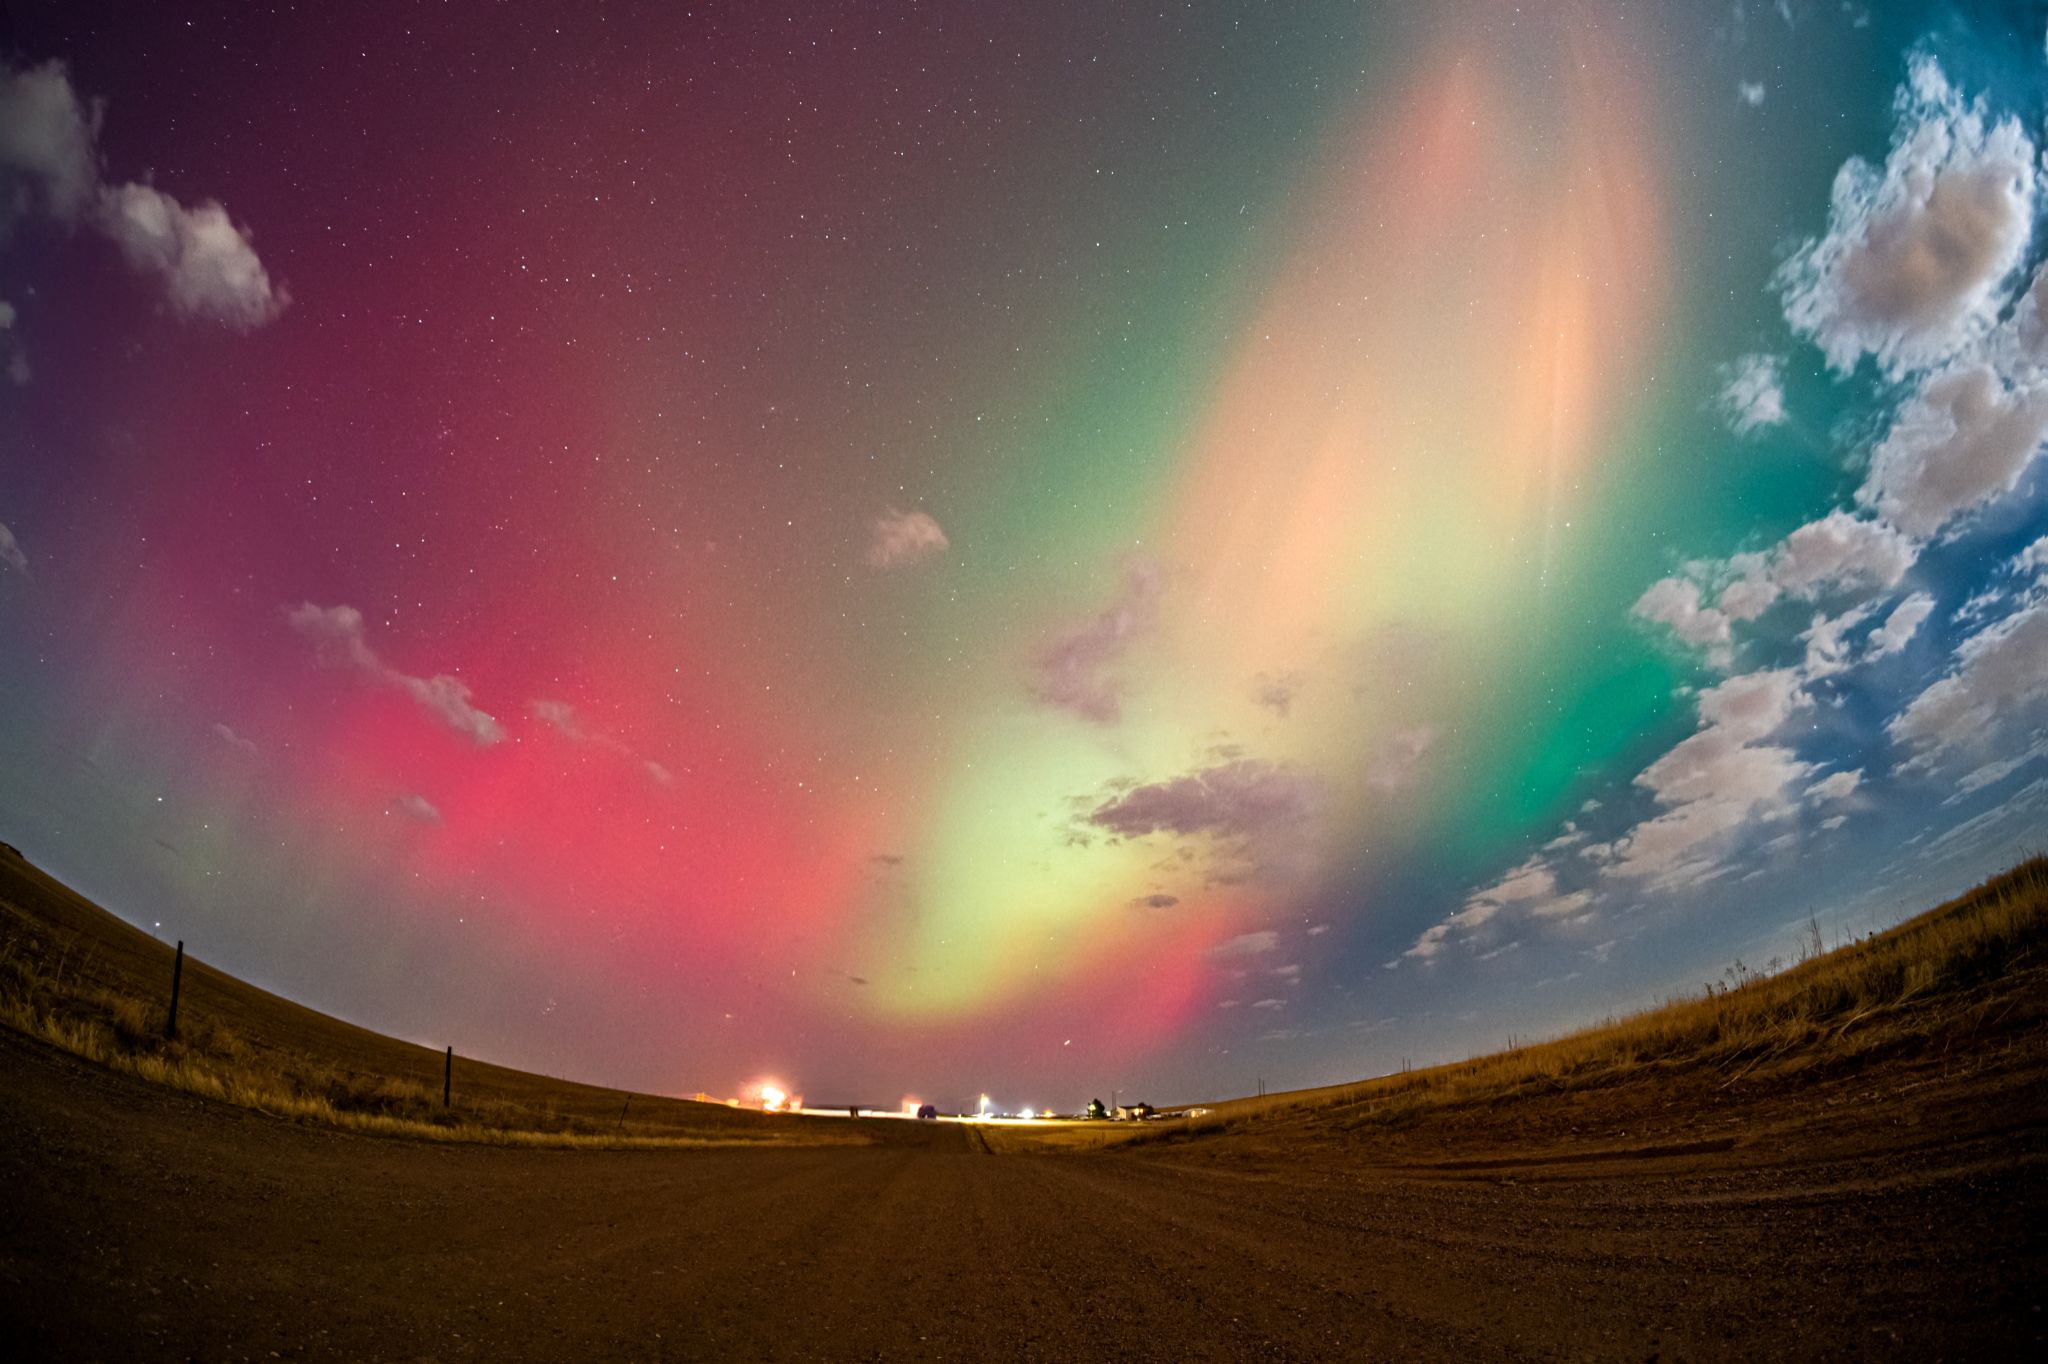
x,y
177,979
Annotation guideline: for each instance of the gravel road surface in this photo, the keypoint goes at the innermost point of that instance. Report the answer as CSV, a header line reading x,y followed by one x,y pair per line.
x,y
139,1223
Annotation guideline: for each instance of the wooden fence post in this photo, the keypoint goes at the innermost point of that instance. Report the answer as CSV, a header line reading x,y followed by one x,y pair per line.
x,y
177,978
448,1077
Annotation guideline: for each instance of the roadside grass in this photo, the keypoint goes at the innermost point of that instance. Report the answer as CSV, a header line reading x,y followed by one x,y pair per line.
x,y
1954,973
48,991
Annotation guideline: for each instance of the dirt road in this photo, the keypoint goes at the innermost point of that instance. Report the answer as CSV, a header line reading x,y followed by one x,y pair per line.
x,y
140,1223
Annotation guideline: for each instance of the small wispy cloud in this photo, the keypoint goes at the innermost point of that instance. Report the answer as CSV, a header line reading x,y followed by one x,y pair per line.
x,y
238,742
1835,786
1245,945
415,806
338,639
897,539
564,719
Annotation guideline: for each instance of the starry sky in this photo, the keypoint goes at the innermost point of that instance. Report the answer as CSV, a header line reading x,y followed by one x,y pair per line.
x,y
950,548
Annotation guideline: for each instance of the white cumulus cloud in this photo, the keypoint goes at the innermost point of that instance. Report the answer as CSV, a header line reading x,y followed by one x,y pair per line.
x,y
50,170
1530,889
1752,394
1827,641
47,162
208,266
1675,602
1961,441
1715,782
1917,253
1842,552
1999,681
11,553
1901,625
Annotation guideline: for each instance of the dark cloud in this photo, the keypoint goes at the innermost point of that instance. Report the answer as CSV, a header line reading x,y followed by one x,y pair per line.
x,y
1069,673
1276,691
1240,799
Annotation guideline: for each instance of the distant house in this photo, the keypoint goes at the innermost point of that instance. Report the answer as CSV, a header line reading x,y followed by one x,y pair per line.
x,y
1133,1112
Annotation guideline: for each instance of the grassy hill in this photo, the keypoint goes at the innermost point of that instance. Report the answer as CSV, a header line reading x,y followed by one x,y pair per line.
x,y
1961,987
75,975
1960,990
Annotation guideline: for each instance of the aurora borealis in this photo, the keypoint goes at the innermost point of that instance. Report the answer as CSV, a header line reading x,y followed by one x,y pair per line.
x,y
1032,549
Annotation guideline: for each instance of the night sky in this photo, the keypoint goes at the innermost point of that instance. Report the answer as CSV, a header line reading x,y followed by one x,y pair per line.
x,y
1038,549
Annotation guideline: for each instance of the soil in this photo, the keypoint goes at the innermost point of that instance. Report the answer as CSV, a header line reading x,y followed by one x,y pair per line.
x,y
1891,1213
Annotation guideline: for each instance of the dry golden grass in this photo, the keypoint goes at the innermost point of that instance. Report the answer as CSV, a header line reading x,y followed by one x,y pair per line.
x,y
1959,970
72,975
220,1067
